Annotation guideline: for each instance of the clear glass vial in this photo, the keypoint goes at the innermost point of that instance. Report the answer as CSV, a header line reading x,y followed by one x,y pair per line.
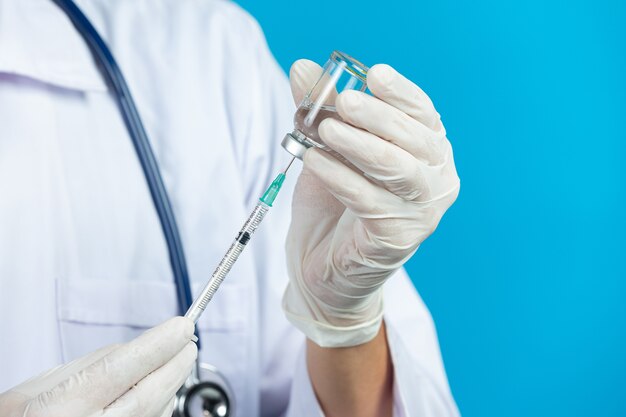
x,y
341,72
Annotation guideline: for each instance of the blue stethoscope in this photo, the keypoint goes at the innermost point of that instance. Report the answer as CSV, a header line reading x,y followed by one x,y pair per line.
x,y
206,393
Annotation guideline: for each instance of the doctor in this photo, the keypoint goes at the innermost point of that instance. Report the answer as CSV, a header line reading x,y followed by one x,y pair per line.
x,y
305,331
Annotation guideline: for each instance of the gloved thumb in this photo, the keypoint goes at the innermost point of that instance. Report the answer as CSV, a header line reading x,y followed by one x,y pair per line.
x,y
302,76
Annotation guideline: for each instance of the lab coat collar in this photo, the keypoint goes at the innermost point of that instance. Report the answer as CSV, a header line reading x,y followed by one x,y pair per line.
x,y
38,41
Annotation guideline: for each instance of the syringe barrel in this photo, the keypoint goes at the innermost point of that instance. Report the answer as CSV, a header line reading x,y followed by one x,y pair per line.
x,y
227,262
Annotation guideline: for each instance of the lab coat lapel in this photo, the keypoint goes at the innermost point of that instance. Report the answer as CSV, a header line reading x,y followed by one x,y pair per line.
x,y
38,41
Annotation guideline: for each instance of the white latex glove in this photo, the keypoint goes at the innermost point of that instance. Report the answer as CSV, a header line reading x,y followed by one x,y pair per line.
x,y
139,378
349,231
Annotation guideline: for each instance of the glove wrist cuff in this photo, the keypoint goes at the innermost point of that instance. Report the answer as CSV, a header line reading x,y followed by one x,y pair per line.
x,y
322,332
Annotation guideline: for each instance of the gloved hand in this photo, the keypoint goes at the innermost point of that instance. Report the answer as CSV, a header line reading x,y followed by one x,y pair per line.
x,y
139,378
356,221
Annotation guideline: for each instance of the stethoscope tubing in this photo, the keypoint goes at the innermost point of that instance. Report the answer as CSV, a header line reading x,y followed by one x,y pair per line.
x,y
115,80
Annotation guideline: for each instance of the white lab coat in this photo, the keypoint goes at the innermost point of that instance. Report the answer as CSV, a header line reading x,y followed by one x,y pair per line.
x,y
83,262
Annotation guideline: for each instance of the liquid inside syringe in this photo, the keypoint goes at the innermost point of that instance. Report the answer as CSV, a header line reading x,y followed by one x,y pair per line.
x,y
237,247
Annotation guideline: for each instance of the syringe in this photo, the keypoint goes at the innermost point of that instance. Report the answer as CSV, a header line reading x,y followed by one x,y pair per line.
x,y
231,256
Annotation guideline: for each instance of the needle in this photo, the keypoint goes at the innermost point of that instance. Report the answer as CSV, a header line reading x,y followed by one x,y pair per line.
x,y
289,165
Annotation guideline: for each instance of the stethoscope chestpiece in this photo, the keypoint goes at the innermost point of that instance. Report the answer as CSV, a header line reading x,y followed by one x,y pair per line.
x,y
206,396
206,399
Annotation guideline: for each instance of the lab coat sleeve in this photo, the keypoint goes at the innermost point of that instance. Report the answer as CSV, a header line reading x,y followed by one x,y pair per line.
x,y
420,387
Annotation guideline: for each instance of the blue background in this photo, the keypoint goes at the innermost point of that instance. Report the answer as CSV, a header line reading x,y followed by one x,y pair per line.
x,y
526,275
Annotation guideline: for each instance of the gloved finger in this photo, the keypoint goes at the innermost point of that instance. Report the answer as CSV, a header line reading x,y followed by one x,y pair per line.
x,y
52,377
315,207
149,397
393,88
389,123
302,76
392,167
168,410
14,403
105,380
365,199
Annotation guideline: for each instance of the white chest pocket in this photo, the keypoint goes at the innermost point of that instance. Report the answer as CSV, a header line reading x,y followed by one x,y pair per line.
x,y
96,312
